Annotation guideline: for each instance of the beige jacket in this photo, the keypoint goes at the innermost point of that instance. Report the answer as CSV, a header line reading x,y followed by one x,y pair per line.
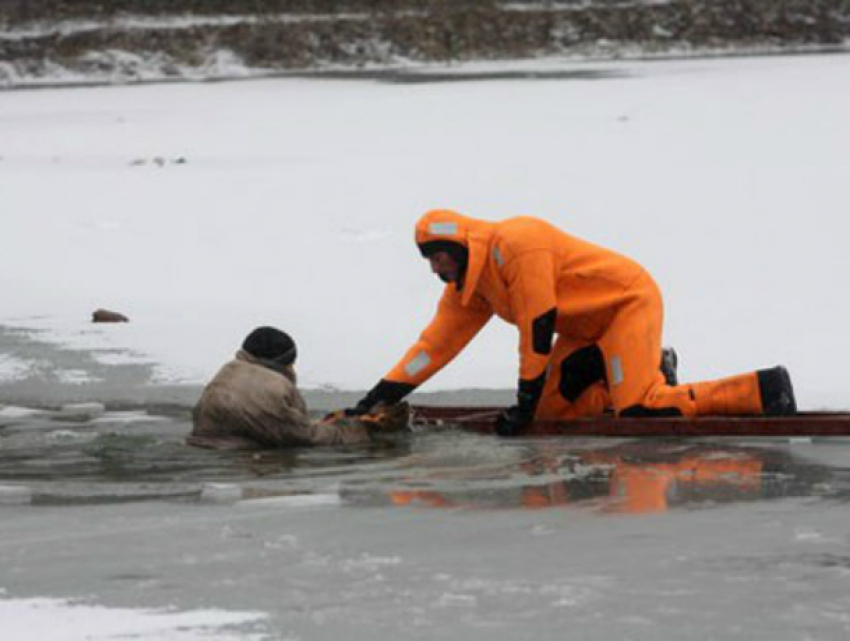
x,y
250,404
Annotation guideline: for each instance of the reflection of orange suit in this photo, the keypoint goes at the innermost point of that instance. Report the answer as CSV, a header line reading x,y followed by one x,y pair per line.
x,y
549,495
647,487
548,283
532,496
427,498
636,487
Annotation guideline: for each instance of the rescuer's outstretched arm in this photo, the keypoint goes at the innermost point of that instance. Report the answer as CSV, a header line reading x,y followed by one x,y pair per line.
x,y
448,333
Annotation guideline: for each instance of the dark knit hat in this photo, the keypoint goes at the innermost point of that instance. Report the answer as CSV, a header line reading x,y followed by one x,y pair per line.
x,y
271,344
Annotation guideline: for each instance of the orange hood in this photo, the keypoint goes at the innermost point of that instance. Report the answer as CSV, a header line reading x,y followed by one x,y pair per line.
x,y
473,234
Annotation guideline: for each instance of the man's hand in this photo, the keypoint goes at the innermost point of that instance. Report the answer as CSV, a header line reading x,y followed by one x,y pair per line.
x,y
358,410
512,421
385,392
383,418
334,416
387,418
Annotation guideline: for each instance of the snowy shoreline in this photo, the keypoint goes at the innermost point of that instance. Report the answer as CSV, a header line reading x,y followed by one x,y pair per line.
x,y
137,43
123,68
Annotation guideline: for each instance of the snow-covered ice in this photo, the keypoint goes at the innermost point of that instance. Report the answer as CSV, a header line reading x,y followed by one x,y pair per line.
x,y
61,620
733,572
292,202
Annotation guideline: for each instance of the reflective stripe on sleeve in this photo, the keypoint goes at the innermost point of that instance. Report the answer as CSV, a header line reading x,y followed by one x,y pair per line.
x,y
417,364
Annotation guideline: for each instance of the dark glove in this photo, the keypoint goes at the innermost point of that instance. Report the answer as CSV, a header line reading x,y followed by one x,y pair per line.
x,y
517,417
512,421
386,392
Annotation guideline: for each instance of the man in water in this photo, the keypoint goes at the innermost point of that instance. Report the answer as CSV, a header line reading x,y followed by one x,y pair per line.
x,y
589,320
253,401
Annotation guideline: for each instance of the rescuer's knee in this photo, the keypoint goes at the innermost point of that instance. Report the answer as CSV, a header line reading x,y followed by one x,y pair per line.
x,y
580,370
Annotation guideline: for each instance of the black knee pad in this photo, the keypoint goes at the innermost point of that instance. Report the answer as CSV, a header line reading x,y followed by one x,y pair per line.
x,y
542,331
580,370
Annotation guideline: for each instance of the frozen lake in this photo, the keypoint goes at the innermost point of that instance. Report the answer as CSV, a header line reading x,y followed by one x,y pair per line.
x,y
203,210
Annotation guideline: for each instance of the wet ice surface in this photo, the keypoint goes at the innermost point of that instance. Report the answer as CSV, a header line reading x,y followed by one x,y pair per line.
x,y
136,455
431,535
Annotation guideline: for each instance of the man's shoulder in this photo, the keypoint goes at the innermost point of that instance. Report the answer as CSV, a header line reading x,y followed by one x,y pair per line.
x,y
234,367
240,373
241,385
523,233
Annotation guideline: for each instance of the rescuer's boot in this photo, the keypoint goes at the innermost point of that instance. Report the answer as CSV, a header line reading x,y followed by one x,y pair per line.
x,y
669,366
777,394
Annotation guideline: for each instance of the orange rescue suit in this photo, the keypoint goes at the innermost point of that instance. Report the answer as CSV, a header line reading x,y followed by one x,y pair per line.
x,y
554,286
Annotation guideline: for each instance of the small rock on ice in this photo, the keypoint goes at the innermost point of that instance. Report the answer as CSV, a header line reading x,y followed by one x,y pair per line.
x,y
107,316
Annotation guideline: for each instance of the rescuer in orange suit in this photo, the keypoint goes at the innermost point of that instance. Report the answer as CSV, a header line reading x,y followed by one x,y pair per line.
x,y
589,320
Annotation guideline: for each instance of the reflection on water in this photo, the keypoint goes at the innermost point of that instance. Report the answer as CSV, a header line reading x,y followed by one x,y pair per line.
x,y
134,456
628,477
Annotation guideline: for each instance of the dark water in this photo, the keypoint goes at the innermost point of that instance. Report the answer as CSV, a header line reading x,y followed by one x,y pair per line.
x,y
133,456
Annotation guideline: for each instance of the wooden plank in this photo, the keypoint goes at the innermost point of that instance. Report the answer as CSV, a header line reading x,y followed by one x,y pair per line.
x,y
481,419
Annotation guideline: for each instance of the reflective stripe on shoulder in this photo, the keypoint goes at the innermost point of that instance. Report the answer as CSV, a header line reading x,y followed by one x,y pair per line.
x,y
442,229
417,364
497,256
